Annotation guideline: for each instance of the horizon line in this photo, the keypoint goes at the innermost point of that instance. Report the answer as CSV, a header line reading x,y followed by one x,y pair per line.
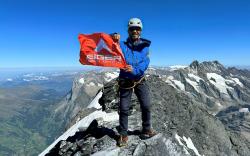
x,y
89,66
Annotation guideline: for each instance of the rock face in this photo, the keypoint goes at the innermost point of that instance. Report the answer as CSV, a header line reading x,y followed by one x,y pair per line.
x,y
211,84
237,119
185,101
184,126
84,89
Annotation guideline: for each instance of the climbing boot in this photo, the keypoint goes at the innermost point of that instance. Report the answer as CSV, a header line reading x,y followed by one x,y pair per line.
x,y
147,134
122,141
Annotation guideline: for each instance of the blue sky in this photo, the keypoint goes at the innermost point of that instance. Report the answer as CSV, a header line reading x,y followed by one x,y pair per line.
x,y
43,33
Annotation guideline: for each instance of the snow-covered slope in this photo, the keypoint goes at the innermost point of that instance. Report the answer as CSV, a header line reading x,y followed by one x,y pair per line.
x,y
211,84
85,122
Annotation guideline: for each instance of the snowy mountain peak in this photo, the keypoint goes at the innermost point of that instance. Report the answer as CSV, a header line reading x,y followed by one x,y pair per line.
x,y
204,67
194,64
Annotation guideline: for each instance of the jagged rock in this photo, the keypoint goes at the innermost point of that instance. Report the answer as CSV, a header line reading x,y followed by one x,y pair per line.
x,y
194,64
182,122
237,119
184,102
190,119
81,114
109,100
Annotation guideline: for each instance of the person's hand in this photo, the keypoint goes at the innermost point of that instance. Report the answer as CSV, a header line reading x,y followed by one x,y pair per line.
x,y
116,37
128,68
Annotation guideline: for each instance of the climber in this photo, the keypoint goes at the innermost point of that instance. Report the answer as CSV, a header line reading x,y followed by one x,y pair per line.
x,y
136,52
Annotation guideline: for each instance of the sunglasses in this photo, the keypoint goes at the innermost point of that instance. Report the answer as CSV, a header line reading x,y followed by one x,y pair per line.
x,y
134,28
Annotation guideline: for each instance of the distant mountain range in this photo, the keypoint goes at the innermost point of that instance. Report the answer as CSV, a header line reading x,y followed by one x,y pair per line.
x,y
197,110
242,67
26,101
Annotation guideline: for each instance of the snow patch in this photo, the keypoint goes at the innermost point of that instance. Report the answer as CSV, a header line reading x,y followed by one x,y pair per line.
x,y
178,138
170,83
99,85
170,77
188,142
176,67
94,103
35,78
179,84
243,110
151,68
108,117
83,123
110,76
41,78
28,75
197,78
91,84
81,80
194,84
171,147
229,81
190,145
237,81
218,104
9,79
219,82
108,152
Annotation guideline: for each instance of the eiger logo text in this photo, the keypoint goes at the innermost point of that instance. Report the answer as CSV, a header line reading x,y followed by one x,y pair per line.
x,y
99,49
102,45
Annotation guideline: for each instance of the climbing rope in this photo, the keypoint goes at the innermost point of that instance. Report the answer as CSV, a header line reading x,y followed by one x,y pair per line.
x,y
133,83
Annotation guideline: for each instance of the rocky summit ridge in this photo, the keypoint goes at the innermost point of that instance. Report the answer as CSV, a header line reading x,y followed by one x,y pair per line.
x,y
188,111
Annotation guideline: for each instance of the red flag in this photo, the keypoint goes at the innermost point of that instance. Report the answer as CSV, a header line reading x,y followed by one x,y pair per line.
x,y
99,49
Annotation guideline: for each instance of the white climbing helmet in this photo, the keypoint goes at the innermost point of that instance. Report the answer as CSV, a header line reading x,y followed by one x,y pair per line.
x,y
134,22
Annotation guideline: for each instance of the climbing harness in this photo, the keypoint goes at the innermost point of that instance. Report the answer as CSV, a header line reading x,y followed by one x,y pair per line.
x,y
129,84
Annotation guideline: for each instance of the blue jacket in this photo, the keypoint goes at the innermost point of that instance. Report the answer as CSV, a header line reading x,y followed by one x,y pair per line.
x,y
137,55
